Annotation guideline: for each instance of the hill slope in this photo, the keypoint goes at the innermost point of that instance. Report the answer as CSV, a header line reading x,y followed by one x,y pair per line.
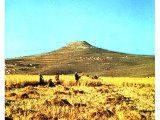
x,y
82,57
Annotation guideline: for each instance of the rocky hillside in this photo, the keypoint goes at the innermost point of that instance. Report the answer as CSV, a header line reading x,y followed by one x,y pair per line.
x,y
84,58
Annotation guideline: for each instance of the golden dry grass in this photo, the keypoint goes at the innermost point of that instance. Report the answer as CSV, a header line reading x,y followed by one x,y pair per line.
x,y
112,98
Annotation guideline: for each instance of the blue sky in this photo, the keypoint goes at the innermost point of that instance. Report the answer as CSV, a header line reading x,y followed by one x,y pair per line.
x,y
38,26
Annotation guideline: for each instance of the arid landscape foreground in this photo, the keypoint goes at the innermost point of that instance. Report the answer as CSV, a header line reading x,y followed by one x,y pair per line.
x,y
112,98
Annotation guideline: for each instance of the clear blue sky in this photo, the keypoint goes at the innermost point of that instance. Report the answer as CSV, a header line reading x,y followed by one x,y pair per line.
x,y
38,26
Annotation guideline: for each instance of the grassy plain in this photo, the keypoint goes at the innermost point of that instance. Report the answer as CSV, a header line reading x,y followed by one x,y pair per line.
x,y
105,98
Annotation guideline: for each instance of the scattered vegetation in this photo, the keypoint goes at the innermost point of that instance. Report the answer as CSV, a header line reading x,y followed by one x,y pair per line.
x,y
104,98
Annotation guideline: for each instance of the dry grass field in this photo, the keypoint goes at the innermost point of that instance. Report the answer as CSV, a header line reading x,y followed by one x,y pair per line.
x,y
105,98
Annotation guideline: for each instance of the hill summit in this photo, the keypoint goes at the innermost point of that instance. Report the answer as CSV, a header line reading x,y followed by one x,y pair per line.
x,y
79,44
84,58
75,47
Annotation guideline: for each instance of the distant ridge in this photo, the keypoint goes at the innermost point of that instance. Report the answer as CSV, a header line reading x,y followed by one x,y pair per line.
x,y
81,56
